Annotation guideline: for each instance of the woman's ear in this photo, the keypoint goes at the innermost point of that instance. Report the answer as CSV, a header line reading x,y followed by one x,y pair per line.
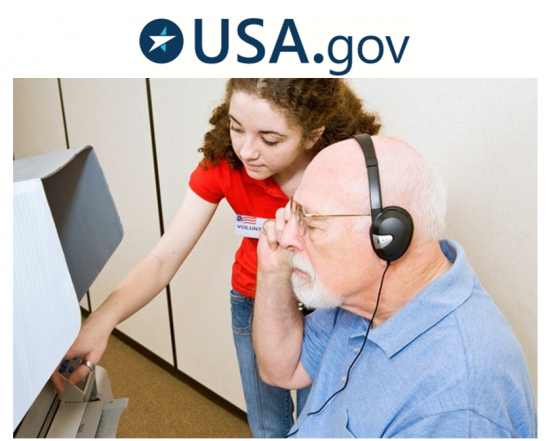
x,y
314,136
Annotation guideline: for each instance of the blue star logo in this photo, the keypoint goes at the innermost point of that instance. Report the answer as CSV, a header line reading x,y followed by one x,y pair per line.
x,y
165,35
160,40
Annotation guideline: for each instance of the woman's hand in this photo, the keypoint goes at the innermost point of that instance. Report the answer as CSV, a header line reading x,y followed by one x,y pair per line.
x,y
90,344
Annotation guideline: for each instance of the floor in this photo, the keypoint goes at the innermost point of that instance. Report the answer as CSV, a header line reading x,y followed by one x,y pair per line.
x,y
161,405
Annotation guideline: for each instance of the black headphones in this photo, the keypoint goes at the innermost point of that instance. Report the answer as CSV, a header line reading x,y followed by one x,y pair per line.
x,y
392,227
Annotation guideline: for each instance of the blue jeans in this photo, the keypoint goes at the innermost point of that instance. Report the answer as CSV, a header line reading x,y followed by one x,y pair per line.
x,y
269,409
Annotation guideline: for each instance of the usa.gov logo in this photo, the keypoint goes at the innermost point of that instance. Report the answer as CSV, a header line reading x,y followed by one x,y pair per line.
x,y
161,41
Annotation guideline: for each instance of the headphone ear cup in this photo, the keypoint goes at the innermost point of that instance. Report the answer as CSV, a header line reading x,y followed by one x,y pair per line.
x,y
391,233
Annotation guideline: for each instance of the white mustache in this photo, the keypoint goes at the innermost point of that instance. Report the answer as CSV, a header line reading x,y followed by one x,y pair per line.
x,y
310,292
300,263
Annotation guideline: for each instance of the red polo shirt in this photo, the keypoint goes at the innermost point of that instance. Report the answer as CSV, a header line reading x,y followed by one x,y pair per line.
x,y
246,196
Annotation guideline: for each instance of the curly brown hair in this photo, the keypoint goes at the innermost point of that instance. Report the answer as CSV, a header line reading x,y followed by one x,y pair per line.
x,y
308,103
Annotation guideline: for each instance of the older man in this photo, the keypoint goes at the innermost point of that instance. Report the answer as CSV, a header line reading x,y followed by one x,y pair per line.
x,y
402,344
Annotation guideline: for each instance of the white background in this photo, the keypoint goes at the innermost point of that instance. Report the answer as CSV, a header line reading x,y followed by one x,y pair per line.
x,y
468,39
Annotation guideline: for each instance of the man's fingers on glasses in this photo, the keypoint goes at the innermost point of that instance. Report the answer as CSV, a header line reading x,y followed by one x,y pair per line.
x,y
263,231
269,230
267,225
271,234
287,212
280,214
280,224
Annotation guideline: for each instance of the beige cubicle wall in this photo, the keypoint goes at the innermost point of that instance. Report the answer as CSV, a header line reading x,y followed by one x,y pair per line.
x,y
200,290
38,126
480,134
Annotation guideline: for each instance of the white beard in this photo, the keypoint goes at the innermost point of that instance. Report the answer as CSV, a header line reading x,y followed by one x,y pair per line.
x,y
312,293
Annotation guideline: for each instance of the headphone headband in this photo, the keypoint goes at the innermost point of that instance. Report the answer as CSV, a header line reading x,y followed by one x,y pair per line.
x,y
365,141
392,227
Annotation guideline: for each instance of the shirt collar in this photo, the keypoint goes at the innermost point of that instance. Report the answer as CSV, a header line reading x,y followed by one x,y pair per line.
x,y
431,305
269,185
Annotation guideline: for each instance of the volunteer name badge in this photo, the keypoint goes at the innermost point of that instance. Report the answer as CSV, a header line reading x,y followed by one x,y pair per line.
x,y
249,226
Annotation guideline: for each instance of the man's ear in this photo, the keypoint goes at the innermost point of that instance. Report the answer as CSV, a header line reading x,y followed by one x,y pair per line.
x,y
314,136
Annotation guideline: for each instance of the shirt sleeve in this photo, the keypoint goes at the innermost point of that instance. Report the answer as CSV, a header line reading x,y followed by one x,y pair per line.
x,y
205,183
317,331
458,424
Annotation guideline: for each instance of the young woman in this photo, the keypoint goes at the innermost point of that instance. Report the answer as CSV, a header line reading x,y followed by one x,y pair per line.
x,y
264,135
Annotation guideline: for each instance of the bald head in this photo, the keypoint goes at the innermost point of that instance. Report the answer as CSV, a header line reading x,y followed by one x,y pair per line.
x,y
336,181
338,174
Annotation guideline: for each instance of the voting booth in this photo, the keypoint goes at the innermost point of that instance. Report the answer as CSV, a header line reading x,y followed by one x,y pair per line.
x,y
65,228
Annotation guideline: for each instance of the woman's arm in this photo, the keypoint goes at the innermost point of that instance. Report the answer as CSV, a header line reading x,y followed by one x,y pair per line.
x,y
143,283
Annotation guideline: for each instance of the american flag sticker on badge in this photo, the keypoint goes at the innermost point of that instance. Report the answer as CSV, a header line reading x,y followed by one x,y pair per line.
x,y
249,226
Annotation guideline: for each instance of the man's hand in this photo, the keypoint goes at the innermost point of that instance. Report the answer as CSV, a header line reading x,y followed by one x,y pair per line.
x,y
278,325
272,258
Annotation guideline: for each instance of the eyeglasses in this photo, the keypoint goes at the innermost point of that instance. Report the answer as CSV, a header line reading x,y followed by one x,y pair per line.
x,y
301,216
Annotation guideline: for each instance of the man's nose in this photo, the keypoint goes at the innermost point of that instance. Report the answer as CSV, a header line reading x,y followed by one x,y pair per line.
x,y
290,237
